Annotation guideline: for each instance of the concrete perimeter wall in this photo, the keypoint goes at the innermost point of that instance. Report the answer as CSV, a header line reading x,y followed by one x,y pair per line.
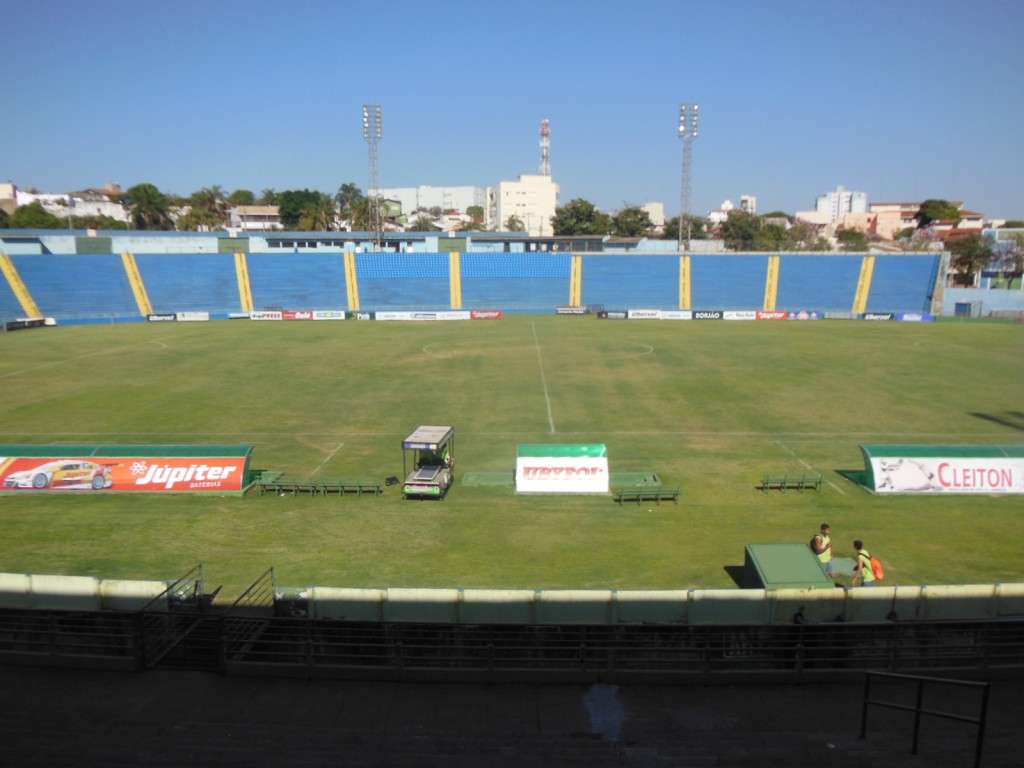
x,y
692,607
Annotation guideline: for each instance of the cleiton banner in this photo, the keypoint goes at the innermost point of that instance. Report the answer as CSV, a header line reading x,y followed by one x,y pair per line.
x,y
147,471
562,469
967,469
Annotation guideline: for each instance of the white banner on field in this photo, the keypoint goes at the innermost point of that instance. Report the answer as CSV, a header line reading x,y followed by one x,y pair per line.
x,y
562,469
948,475
558,474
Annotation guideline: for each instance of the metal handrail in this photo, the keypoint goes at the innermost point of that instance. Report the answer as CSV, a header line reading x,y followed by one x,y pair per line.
x,y
919,710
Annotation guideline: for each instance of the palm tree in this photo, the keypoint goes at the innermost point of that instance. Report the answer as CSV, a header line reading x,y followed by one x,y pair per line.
x,y
360,216
149,207
318,216
349,195
209,206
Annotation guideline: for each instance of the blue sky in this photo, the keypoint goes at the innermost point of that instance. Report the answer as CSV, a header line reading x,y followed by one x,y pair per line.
x,y
903,100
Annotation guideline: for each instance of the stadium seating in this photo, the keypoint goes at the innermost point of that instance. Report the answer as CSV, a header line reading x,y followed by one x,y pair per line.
x,y
297,281
95,287
515,281
190,282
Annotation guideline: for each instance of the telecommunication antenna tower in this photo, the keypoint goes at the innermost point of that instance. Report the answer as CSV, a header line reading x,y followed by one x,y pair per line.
x,y
687,132
545,147
373,132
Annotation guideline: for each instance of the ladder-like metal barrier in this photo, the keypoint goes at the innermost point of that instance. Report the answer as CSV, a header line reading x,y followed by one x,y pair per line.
x,y
919,709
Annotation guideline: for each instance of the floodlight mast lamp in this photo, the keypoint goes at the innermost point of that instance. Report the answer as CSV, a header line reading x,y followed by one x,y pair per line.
x,y
688,114
373,132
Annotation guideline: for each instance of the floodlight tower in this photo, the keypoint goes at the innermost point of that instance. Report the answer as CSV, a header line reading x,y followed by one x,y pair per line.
x,y
687,132
373,132
545,147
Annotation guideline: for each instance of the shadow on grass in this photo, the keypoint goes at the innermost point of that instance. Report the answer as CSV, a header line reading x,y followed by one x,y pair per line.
x,y
736,574
1011,419
858,476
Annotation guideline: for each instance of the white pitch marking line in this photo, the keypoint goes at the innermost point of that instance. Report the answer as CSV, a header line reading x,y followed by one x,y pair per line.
x,y
645,349
80,357
442,355
543,380
788,450
329,457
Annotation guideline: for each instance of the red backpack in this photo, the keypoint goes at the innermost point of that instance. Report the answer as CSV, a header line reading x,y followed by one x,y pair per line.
x,y
877,568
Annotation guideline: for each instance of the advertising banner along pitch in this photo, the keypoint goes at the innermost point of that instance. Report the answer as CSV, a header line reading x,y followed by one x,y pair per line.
x,y
562,469
141,468
947,469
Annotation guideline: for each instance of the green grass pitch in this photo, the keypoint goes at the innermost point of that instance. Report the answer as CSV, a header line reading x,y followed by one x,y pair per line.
x,y
708,406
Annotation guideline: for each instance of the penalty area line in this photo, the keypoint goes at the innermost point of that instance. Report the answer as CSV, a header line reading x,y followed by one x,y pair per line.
x,y
803,463
330,456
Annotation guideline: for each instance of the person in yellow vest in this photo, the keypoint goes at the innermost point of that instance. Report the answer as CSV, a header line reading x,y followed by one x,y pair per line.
x,y
822,546
863,571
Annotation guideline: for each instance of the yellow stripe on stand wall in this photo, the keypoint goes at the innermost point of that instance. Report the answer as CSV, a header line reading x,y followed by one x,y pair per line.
x,y
455,279
351,281
244,285
867,272
131,268
685,283
771,284
28,304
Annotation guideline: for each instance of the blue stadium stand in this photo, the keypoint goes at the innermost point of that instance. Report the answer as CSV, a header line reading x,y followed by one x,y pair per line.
x,y
402,281
903,283
86,288
190,282
818,282
650,282
515,282
728,281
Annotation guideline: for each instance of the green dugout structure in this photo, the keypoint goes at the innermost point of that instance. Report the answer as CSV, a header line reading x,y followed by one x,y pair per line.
x,y
216,469
783,566
944,469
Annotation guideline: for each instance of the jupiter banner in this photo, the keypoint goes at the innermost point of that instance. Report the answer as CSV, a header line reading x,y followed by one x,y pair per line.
x,y
147,471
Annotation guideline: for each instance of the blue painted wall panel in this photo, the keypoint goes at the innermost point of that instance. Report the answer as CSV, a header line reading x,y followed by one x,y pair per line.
x,y
728,282
190,282
818,282
515,282
621,282
903,283
82,285
10,307
403,281
298,281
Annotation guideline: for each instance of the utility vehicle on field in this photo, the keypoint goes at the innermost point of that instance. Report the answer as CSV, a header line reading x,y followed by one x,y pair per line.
x,y
431,451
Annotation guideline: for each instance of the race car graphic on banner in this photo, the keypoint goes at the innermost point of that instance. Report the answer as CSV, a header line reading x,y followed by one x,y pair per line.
x,y
190,469
68,474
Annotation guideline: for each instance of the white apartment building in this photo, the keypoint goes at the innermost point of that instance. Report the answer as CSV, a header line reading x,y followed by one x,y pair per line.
x,y
425,197
656,213
532,199
832,206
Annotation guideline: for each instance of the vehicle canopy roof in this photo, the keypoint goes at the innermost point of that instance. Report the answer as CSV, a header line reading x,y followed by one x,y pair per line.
x,y
428,438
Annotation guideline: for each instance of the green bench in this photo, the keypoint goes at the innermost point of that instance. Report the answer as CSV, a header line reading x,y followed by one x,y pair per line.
x,y
800,482
281,486
357,485
656,495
